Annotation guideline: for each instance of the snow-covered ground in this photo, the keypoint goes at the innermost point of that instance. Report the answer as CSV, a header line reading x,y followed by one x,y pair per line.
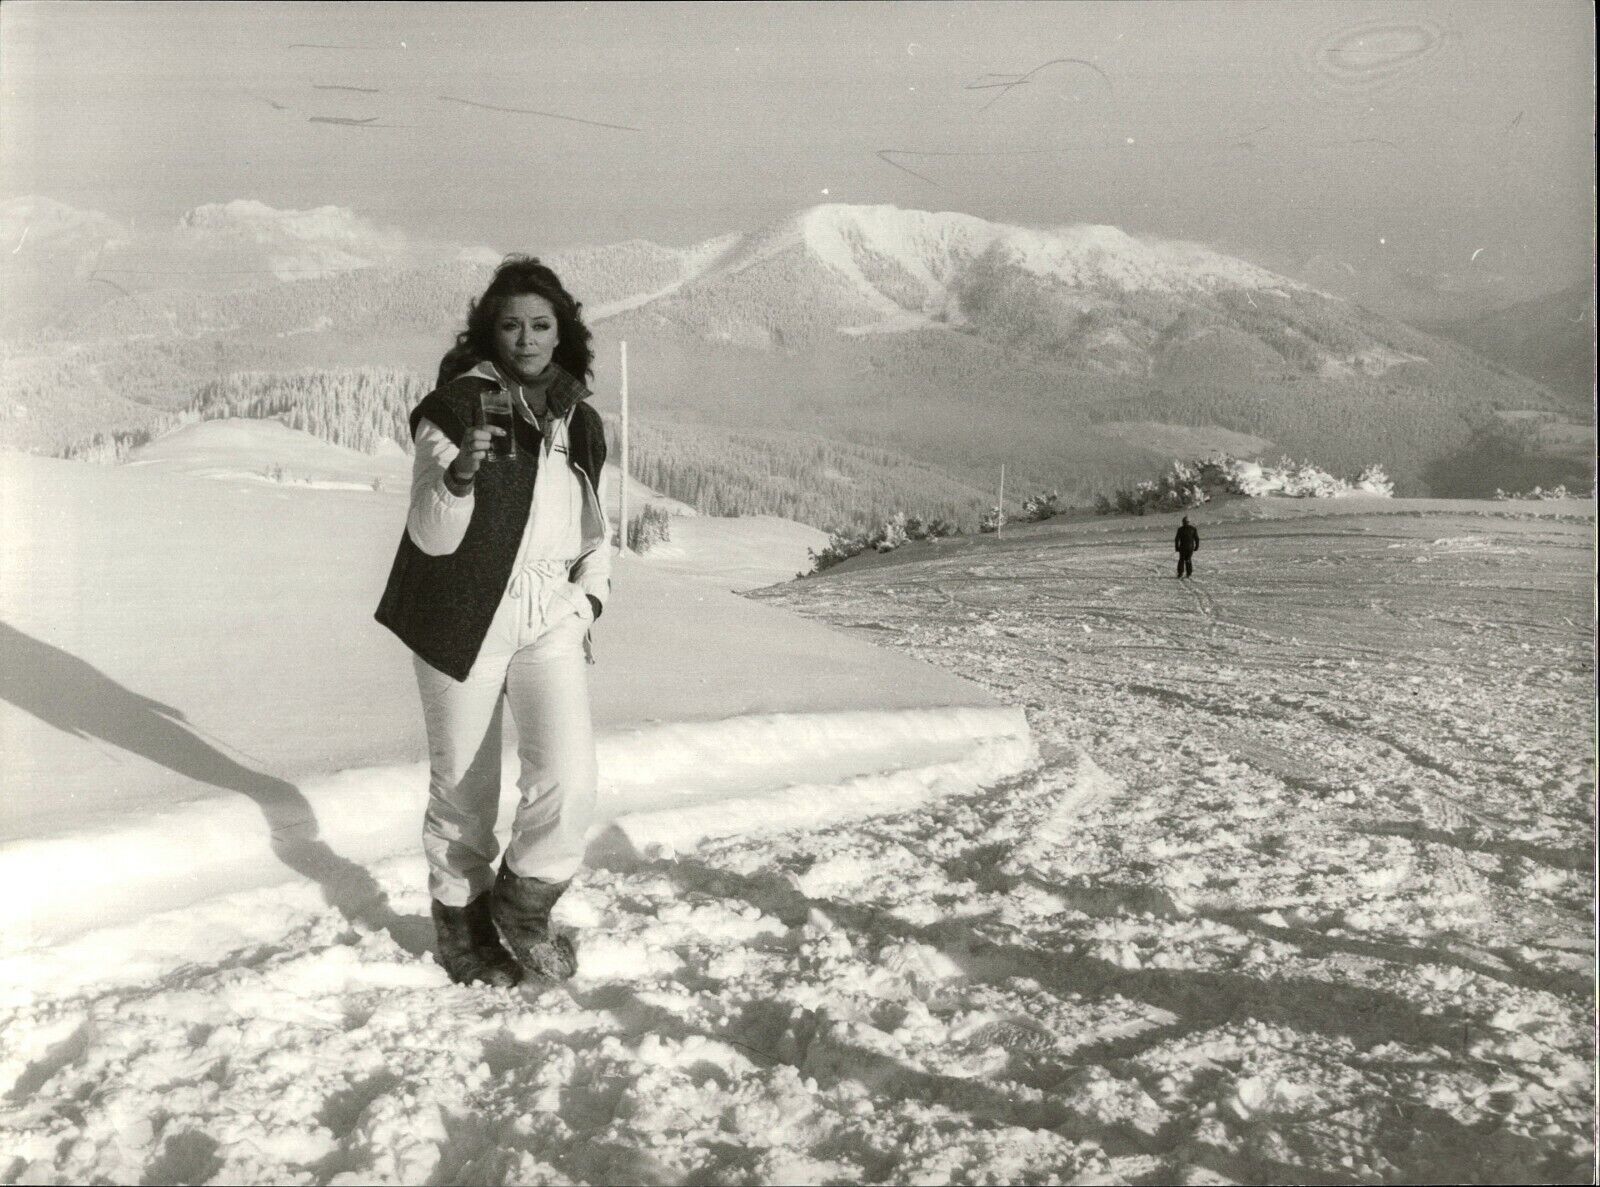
x,y
166,634
742,553
1334,923
1297,890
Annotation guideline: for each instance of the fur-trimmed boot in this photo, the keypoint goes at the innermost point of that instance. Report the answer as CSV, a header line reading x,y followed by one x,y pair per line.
x,y
469,949
522,913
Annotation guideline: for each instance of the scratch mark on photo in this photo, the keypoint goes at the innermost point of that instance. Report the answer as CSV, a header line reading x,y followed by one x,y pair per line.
x,y
1009,82
530,111
112,283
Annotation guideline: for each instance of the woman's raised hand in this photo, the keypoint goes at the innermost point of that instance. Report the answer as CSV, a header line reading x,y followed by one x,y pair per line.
x,y
475,446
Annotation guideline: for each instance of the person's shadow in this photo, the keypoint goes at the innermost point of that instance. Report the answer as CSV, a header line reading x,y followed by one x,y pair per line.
x,y
62,690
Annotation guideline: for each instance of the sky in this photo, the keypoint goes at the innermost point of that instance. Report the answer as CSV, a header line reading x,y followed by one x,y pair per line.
x,y
1439,137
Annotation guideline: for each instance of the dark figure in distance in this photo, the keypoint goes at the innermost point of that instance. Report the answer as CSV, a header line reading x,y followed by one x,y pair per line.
x,y
1187,542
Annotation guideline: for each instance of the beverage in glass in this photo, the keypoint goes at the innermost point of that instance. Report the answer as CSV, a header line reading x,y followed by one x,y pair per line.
x,y
497,414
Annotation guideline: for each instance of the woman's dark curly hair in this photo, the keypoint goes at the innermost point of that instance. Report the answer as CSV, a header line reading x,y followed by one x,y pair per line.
x,y
518,275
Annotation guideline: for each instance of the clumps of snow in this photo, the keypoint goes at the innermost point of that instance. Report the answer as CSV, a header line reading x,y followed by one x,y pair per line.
x,y
898,529
1301,480
1035,509
1194,483
1538,494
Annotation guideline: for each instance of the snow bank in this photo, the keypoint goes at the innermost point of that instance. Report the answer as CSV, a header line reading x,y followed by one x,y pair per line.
x,y
671,785
670,831
124,689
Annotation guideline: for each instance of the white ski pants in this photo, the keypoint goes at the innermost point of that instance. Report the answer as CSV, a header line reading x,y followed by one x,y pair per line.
x,y
532,658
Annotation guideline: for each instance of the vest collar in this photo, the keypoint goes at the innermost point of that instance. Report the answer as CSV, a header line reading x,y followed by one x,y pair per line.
x,y
562,395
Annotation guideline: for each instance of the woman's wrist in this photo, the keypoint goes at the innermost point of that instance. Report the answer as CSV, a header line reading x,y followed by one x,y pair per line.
x,y
455,484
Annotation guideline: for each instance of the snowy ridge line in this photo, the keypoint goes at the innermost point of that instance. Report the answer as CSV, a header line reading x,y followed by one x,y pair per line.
x,y
325,830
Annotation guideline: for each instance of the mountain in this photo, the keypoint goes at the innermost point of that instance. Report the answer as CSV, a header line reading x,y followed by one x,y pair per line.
x,y
1550,339
970,343
48,256
252,237
1089,295
1080,356
1416,296
67,268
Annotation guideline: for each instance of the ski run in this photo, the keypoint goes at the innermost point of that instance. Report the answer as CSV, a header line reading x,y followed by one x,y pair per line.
x,y
1289,881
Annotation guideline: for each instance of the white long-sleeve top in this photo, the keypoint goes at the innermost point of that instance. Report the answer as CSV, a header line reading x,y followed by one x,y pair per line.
x,y
566,522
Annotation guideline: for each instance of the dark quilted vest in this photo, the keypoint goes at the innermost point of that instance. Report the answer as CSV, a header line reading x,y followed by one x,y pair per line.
x,y
441,606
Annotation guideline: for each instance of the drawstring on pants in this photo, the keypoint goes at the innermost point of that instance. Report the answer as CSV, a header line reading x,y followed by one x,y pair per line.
x,y
528,585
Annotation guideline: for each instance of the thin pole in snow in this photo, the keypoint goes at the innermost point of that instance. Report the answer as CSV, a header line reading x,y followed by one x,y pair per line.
x,y
1000,508
622,496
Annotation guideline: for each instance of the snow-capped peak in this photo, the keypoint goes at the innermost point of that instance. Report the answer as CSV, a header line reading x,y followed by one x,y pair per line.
x,y
933,247
298,244
910,264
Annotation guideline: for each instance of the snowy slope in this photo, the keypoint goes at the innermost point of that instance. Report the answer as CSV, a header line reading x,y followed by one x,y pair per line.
x,y
158,752
740,553
1299,892
168,636
255,451
269,451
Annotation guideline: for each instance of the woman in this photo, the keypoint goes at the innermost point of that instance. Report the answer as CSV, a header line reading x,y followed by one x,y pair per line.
x,y
503,568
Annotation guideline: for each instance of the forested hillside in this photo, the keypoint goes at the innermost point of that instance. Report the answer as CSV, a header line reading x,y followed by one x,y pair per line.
x,y
357,408
827,484
1550,339
813,480
966,403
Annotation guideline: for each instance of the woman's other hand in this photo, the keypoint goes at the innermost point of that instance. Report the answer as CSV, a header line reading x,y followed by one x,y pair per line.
x,y
475,446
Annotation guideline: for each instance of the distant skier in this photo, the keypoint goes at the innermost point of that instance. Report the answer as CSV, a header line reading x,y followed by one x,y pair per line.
x,y
1187,542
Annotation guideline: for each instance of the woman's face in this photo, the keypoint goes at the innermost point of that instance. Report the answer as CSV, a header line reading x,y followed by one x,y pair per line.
x,y
525,336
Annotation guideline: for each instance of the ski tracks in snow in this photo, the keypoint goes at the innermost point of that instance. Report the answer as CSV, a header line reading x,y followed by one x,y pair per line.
x,y
1298,892
1351,856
